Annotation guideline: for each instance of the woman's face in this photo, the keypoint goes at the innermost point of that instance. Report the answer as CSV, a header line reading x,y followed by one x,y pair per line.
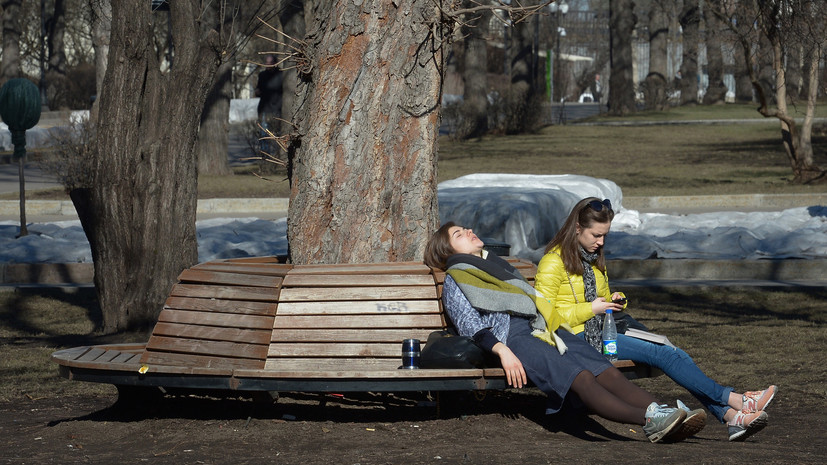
x,y
591,238
463,240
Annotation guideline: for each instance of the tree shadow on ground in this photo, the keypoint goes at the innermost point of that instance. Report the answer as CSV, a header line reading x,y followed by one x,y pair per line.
x,y
139,404
19,316
695,304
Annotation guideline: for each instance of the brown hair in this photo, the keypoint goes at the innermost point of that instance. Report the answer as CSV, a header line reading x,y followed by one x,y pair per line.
x,y
438,248
584,215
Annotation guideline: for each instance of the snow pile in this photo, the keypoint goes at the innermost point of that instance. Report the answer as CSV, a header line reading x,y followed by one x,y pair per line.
x,y
524,211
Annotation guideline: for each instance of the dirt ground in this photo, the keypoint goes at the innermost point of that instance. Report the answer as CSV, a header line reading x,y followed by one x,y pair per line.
x,y
367,429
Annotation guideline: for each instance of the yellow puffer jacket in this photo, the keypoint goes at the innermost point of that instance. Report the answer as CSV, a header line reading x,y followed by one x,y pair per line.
x,y
556,285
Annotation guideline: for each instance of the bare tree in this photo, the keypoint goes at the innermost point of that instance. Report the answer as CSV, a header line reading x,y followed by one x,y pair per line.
x,y
690,19
474,72
622,22
214,135
291,17
10,66
138,211
237,22
716,90
55,22
656,85
781,25
101,27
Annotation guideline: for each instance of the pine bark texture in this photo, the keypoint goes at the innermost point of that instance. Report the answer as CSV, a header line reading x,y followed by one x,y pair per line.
x,y
139,211
364,168
622,22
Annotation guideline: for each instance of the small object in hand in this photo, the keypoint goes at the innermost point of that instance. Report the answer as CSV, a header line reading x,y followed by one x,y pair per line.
x,y
621,301
410,353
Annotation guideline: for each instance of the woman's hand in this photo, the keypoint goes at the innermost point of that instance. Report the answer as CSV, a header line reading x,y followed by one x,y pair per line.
x,y
513,367
600,304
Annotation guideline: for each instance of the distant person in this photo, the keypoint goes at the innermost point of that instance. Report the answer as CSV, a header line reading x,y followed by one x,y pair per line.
x,y
572,276
269,91
488,300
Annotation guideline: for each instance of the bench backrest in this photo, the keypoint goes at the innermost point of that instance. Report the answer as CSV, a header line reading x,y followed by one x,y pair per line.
x,y
261,314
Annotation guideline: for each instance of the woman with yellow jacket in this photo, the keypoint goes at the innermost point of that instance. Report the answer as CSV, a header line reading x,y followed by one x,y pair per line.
x,y
572,276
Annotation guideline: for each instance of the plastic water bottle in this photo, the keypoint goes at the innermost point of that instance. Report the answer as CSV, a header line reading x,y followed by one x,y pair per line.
x,y
609,336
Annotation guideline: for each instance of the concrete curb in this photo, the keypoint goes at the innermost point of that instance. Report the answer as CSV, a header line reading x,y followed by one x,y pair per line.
x,y
630,272
11,208
769,201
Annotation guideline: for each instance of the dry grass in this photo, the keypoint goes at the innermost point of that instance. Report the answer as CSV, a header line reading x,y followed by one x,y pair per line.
x,y
36,322
744,337
673,159
703,159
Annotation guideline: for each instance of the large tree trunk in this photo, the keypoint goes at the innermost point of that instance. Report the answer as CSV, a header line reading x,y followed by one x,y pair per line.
x,y
101,29
690,19
716,90
139,213
10,65
475,73
656,83
622,22
364,177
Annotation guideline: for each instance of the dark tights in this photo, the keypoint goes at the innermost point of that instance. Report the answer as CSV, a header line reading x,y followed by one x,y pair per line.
x,y
612,396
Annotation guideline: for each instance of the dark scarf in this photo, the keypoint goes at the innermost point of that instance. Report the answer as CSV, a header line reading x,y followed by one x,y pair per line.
x,y
593,328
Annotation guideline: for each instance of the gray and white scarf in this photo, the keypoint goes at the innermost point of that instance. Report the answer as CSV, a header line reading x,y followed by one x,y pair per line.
x,y
593,328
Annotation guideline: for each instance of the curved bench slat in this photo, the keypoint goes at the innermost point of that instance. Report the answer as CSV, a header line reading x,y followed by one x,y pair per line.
x,y
258,324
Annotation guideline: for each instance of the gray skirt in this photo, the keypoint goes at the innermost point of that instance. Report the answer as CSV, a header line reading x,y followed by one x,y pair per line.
x,y
551,372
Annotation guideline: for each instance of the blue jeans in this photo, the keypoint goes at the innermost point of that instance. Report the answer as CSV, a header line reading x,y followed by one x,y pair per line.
x,y
679,366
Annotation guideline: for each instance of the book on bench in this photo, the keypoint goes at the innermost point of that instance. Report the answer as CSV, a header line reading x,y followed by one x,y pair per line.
x,y
647,336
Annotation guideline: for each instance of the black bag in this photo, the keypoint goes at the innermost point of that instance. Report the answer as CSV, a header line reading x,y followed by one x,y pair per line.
x,y
444,349
623,321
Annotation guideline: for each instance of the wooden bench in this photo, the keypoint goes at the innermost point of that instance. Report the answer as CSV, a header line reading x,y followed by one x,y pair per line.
x,y
260,325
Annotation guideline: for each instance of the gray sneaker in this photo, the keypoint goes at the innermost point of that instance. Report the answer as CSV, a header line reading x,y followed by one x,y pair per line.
x,y
661,420
693,423
745,425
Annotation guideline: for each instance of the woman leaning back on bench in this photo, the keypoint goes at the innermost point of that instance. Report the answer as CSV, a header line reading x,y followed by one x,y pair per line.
x,y
490,301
